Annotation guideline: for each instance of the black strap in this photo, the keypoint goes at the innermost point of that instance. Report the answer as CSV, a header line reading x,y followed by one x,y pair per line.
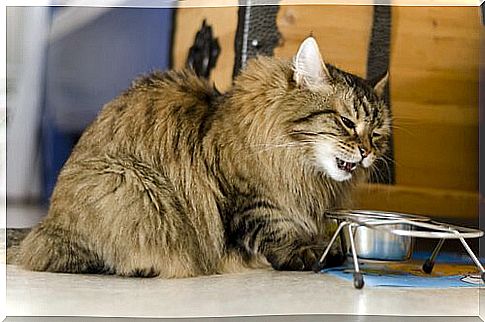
x,y
377,66
256,34
483,12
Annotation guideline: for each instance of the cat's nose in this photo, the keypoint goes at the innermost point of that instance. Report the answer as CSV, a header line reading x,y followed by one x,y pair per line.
x,y
363,152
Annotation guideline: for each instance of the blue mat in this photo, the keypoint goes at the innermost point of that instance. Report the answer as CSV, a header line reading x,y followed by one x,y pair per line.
x,y
450,270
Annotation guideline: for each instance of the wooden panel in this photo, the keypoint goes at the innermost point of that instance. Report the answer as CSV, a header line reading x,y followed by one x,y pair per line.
x,y
438,148
437,203
342,33
224,24
371,2
435,52
434,78
225,3
434,91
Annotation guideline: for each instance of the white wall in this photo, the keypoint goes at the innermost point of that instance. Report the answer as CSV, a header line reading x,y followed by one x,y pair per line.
x,y
27,32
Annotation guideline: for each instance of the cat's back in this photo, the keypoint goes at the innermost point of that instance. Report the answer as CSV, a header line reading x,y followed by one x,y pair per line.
x,y
181,86
156,109
123,190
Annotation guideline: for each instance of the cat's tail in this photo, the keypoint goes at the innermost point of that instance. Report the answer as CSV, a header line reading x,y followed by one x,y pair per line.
x,y
14,238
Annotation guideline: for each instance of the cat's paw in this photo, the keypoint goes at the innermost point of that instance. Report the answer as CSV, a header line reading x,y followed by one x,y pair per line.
x,y
304,259
333,259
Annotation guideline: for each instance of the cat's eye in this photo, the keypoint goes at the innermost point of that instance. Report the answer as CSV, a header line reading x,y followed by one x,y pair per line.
x,y
376,135
348,123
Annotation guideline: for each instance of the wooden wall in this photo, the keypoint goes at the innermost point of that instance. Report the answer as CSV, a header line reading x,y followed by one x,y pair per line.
x,y
343,38
434,91
224,24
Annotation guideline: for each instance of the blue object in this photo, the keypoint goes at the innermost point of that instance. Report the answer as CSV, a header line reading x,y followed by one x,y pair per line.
x,y
384,278
91,65
404,280
444,257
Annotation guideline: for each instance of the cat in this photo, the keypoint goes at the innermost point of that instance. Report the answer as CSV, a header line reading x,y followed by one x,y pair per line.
x,y
174,179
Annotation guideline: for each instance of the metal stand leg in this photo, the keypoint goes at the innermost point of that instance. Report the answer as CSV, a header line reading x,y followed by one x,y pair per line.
x,y
321,263
472,255
429,263
358,278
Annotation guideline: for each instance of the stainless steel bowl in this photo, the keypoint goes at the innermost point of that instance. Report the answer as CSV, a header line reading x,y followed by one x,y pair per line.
x,y
377,243
380,245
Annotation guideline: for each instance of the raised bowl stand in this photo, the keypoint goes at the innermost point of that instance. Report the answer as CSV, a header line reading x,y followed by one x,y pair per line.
x,y
423,228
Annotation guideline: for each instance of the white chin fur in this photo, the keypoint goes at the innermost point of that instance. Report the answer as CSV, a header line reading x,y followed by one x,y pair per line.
x,y
367,162
325,159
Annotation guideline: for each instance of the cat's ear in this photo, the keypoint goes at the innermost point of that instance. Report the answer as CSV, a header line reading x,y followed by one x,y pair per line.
x,y
309,69
380,84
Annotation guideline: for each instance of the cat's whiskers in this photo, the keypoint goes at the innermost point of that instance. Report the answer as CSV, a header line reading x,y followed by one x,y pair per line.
x,y
388,170
268,147
393,161
374,171
403,129
380,176
405,120
381,188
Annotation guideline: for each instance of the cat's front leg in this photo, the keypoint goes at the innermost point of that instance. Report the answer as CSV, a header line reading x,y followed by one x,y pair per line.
x,y
301,258
285,244
293,255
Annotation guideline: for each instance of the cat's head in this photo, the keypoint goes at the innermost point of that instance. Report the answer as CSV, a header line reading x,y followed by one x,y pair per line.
x,y
341,117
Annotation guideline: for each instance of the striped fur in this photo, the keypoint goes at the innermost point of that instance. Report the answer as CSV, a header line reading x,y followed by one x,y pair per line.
x,y
174,179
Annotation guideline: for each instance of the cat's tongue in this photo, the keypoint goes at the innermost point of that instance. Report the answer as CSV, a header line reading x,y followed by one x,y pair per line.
x,y
346,166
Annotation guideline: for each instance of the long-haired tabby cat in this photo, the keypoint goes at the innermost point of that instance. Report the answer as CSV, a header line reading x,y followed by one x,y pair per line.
x,y
174,179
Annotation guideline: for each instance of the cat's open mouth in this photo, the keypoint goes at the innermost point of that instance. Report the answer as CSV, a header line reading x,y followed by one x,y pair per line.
x,y
346,166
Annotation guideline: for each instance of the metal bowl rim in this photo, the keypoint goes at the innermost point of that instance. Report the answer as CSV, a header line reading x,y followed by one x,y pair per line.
x,y
361,214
